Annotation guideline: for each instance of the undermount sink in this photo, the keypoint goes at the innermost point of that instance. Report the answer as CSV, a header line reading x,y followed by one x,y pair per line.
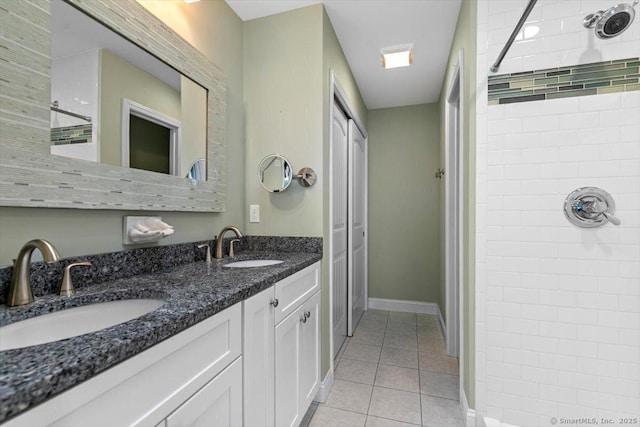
x,y
73,322
253,263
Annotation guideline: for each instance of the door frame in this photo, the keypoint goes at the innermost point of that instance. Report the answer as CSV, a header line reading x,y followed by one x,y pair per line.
x,y
454,202
337,94
336,151
132,108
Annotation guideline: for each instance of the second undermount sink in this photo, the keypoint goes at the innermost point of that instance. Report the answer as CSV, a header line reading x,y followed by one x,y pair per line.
x,y
72,322
253,263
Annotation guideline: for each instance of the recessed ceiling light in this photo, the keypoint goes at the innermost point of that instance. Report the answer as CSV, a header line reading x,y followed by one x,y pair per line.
x,y
191,1
397,56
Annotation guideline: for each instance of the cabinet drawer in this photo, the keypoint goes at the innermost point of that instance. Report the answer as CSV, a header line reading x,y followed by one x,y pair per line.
x,y
145,389
292,291
219,403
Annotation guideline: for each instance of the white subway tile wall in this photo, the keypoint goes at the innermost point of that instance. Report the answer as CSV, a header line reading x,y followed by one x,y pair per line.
x,y
557,307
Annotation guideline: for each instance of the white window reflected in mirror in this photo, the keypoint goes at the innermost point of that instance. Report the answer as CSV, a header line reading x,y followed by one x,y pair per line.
x,y
150,139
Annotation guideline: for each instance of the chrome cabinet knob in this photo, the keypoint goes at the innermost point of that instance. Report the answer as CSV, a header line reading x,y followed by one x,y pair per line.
x,y
307,314
303,318
590,207
274,302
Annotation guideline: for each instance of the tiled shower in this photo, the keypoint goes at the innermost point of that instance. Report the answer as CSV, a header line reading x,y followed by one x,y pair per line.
x,y
557,306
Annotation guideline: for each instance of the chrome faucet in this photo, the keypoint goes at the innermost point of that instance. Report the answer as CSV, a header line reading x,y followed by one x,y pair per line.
x,y
219,252
20,289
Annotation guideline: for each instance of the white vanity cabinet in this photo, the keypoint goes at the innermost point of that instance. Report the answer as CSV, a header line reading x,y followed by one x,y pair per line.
x,y
309,352
219,403
192,376
297,362
258,357
254,364
282,350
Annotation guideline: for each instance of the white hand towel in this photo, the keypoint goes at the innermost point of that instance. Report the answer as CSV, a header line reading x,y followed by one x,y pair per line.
x,y
156,224
142,228
138,236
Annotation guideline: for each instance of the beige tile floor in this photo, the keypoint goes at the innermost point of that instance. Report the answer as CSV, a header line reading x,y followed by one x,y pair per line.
x,y
393,372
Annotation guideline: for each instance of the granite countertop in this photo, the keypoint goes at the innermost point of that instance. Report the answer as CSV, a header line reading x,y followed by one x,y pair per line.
x,y
193,292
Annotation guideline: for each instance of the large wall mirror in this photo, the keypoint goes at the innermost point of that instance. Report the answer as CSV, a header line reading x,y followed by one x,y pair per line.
x,y
109,109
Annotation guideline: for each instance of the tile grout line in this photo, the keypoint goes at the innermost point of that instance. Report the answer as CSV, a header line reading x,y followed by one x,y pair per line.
x,y
376,375
378,364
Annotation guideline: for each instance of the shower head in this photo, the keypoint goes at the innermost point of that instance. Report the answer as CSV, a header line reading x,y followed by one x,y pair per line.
x,y
611,22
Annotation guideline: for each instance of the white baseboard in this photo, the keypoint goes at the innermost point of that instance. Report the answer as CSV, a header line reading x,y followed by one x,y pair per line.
x,y
405,306
469,414
409,307
325,388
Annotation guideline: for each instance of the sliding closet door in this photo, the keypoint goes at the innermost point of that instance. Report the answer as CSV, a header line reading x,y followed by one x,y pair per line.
x,y
356,226
339,151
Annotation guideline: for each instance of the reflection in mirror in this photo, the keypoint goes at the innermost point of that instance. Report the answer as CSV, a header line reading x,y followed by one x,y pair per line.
x,y
198,170
274,173
117,104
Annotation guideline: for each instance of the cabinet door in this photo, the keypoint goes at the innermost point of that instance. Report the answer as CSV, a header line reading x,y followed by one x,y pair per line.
x,y
219,403
288,370
258,359
310,352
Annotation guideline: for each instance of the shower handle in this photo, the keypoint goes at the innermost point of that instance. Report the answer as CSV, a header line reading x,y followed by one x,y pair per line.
x,y
601,207
590,207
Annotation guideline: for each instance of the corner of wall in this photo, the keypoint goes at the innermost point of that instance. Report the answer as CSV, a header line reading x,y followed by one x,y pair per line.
x,y
465,38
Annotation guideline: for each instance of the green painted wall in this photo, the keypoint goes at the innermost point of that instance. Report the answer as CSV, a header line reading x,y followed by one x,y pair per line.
x,y
403,203
287,58
283,114
465,41
214,28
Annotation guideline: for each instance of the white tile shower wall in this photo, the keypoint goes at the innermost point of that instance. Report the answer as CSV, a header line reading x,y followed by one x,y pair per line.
x,y
557,307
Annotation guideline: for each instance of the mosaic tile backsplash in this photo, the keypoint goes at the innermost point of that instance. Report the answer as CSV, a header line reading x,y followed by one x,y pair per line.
x,y
564,82
80,134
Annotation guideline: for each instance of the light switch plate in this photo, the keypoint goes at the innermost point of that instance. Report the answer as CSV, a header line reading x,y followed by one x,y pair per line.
x,y
254,213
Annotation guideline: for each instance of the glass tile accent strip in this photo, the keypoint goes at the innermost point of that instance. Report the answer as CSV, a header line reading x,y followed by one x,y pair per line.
x,y
598,78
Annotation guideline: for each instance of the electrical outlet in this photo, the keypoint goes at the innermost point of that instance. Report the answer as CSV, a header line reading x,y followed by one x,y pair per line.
x,y
254,213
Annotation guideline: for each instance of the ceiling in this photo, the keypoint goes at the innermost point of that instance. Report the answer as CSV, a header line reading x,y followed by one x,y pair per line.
x,y
364,27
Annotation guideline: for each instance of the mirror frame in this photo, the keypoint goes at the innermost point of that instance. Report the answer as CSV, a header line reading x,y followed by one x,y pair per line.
x,y
290,176
31,177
